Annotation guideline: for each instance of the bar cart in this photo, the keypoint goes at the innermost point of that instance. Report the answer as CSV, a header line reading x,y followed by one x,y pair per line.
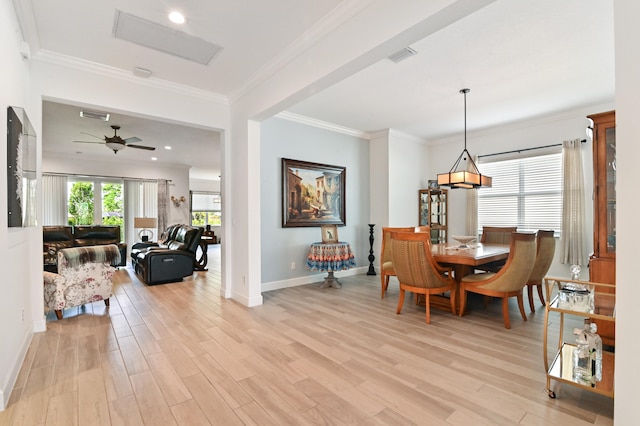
x,y
581,299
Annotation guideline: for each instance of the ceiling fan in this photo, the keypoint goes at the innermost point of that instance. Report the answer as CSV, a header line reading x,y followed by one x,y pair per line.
x,y
116,143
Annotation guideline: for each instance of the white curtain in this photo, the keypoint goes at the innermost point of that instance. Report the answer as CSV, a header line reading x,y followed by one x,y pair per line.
x,y
572,241
163,207
141,201
54,200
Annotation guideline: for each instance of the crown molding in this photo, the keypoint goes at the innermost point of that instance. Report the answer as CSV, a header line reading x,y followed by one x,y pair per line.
x,y
53,58
302,119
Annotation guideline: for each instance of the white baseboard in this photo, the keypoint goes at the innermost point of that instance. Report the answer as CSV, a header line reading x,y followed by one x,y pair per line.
x,y
7,387
309,279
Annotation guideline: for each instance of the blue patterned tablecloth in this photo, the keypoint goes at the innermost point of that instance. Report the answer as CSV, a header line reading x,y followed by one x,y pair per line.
x,y
330,257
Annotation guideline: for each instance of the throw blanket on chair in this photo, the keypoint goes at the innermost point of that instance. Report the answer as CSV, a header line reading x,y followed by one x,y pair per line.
x,y
77,256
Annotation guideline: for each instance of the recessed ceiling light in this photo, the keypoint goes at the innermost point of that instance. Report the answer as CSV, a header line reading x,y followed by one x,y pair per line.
x,y
167,147
154,158
177,17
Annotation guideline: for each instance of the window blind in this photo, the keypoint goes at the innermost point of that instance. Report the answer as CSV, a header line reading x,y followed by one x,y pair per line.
x,y
526,192
205,202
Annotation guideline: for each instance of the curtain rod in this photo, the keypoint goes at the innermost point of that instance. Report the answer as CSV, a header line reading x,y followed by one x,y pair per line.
x,y
101,177
525,149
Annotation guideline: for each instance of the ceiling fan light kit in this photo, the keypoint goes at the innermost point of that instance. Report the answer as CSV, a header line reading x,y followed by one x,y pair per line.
x,y
116,143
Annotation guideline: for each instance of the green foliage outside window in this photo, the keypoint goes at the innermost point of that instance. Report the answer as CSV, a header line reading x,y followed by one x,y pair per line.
x,y
81,204
206,218
197,218
112,204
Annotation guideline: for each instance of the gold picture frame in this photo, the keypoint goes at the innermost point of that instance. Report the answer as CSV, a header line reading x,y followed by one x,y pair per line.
x,y
329,234
313,194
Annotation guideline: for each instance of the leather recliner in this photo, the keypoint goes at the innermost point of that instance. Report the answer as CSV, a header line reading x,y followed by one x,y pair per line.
x,y
171,259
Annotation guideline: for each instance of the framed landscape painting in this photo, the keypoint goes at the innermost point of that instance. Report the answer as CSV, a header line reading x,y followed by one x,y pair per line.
x,y
313,194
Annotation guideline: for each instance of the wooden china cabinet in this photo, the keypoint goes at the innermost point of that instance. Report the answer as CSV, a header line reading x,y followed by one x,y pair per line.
x,y
602,263
432,211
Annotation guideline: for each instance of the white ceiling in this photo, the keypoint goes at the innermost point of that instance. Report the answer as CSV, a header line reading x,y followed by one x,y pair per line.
x,y
521,59
190,146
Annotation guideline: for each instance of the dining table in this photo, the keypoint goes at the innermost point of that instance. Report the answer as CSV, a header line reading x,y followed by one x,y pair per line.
x,y
463,261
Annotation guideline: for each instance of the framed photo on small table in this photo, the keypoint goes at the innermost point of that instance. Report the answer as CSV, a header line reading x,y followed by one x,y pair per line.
x,y
329,234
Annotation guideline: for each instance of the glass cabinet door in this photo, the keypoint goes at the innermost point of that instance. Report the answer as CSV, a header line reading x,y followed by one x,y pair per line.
x,y
610,195
432,211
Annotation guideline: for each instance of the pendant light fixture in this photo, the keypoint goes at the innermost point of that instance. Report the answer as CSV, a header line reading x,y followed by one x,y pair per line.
x,y
469,178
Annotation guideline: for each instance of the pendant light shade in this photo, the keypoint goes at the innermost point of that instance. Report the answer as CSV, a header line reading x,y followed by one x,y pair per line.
x,y
469,177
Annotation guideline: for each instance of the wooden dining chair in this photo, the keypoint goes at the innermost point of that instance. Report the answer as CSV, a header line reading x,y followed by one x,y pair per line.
x,y
509,281
546,248
417,270
496,235
386,264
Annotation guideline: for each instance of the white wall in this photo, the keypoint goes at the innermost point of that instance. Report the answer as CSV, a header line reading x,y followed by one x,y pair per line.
x,y
281,246
379,182
627,374
408,173
398,169
19,313
528,134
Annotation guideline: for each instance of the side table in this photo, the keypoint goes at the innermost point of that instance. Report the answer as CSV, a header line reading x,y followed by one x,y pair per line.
x,y
330,257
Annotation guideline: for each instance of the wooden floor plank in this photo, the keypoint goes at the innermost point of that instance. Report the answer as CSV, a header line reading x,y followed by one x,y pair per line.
x,y
180,353
124,412
93,408
153,407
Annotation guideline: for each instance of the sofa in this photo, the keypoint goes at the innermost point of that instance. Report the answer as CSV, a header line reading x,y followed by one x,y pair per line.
x,y
171,259
56,238
84,276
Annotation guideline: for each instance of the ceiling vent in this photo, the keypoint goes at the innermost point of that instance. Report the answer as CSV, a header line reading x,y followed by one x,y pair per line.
x,y
401,55
96,115
155,36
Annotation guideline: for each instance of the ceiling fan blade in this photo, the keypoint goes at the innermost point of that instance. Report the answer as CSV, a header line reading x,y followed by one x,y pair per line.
x,y
99,143
132,139
97,137
149,148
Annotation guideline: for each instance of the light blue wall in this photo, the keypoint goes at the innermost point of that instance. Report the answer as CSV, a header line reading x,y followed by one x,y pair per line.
x,y
282,246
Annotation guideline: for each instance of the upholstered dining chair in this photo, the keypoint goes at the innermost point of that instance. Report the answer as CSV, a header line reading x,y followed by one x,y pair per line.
x,y
546,248
417,270
496,235
509,281
386,264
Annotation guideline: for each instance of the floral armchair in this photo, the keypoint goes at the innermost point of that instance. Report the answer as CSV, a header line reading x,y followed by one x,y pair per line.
x,y
84,276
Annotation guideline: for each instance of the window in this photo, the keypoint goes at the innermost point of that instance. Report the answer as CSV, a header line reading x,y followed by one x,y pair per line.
x,y
206,209
526,192
95,201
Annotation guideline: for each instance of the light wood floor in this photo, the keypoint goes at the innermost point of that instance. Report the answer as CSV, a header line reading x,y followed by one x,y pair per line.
x,y
179,354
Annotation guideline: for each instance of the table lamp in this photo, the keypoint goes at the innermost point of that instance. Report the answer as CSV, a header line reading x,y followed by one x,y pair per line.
x,y
144,223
